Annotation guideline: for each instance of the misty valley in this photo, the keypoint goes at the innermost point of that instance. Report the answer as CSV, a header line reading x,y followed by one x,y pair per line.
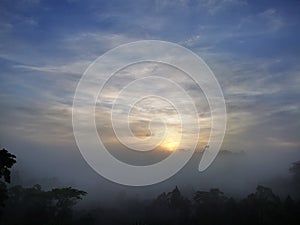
x,y
67,205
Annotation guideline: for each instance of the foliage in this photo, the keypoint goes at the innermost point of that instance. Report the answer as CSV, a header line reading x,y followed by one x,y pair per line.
x,y
169,208
261,207
295,170
36,206
7,160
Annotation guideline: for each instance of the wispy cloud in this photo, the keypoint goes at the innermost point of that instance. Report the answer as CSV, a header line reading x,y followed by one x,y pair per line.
x,y
252,50
216,6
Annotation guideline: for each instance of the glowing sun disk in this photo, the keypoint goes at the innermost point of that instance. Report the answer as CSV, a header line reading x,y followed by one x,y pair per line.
x,y
170,144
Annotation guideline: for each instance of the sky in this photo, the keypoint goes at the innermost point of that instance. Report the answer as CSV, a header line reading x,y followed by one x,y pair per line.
x,y
251,46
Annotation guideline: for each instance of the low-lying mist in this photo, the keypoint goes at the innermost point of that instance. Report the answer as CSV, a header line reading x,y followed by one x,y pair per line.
x,y
235,173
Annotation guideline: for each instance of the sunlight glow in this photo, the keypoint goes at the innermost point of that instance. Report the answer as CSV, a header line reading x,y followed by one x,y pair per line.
x,y
172,141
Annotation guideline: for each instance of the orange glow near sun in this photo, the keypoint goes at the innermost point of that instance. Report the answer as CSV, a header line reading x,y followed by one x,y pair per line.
x,y
171,141
170,146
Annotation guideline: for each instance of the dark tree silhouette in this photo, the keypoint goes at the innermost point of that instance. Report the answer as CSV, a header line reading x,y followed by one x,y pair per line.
x,y
262,207
7,160
64,199
35,206
209,206
170,208
3,194
295,170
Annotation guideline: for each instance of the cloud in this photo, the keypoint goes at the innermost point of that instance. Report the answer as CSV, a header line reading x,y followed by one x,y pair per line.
x,y
76,67
100,41
261,97
43,123
279,142
267,21
273,19
215,6
41,72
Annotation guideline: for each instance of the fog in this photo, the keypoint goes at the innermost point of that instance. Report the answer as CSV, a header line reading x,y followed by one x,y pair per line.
x,y
235,173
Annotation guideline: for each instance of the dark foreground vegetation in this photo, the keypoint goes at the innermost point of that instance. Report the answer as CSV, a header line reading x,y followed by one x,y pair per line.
x,y
34,206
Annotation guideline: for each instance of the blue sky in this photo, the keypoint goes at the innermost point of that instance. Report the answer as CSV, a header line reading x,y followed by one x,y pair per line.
x,y
252,47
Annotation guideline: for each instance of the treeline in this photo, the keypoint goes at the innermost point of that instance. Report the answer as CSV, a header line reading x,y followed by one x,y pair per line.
x,y
213,207
34,206
22,206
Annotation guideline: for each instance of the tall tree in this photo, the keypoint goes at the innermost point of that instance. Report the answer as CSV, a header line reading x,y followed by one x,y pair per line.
x,y
7,160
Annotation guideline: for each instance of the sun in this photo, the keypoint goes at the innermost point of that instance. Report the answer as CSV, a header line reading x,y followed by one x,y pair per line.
x,y
171,146
170,143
